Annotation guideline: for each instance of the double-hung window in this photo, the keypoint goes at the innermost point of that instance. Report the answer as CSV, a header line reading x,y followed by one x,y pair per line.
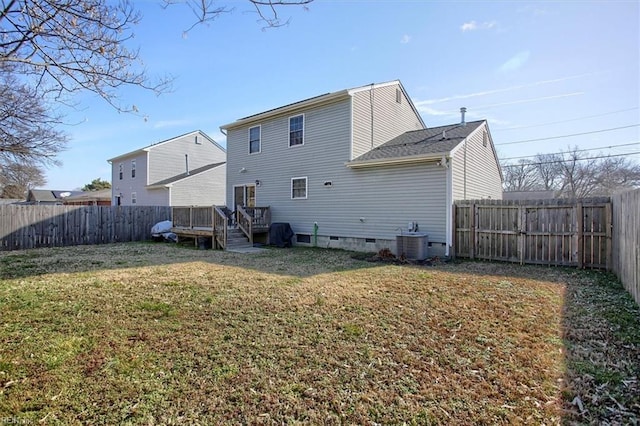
x,y
296,130
254,140
133,168
120,170
298,188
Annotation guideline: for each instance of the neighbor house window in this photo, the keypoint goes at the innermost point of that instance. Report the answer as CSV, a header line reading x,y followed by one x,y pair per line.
x,y
120,170
296,130
134,198
299,188
254,140
133,168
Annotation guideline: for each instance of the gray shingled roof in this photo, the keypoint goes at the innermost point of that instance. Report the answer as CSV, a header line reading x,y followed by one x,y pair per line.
x,y
421,142
181,176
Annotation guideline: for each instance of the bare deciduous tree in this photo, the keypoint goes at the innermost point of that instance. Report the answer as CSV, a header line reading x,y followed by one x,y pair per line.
x,y
50,49
18,178
28,129
572,174
520,176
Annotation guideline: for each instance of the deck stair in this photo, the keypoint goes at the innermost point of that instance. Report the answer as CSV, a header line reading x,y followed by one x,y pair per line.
x,y
236,239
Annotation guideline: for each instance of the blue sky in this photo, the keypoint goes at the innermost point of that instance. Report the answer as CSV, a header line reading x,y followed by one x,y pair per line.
x,y
535,70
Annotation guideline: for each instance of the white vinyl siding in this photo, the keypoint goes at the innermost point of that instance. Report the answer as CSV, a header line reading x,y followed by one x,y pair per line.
x,y
481,176
386,197
128,184
166,159
378,117
204,189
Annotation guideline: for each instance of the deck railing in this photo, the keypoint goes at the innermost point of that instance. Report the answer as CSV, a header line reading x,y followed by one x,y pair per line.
x,y
192,217
220,224
252,219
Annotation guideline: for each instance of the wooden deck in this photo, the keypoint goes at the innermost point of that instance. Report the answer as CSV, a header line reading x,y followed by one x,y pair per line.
x,y
215,221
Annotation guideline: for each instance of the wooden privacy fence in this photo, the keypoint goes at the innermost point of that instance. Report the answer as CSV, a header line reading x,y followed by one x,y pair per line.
x,y
548,232
33,226
626,240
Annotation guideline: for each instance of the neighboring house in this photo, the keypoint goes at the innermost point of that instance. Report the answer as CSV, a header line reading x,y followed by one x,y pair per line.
x,y
48,196
188,170
355,168
90,198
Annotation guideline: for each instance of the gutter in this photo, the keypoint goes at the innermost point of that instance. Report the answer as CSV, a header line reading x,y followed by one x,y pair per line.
x,y
415,159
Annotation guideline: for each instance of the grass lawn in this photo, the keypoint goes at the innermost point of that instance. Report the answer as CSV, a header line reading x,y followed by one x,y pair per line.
x,y
144,333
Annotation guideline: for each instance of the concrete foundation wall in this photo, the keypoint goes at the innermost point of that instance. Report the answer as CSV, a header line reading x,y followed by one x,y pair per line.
x,y
361,245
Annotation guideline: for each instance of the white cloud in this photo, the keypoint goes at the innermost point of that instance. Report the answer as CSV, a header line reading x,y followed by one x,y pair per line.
x,y
405,39
473,25
515,62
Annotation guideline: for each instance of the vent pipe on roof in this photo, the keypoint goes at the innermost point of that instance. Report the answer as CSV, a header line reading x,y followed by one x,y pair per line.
x,y
463,110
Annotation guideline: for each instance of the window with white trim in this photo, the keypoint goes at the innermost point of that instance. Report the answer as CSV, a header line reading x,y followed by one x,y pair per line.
x,y
298,188
254,140
134,198
120,170
133,168
296,130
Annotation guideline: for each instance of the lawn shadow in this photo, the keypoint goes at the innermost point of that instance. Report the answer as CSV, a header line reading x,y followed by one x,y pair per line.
x,y
297,262
600,339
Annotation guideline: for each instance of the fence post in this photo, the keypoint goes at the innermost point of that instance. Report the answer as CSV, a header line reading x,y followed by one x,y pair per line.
x,y
608,230
454,247
472,231
522,232
580,232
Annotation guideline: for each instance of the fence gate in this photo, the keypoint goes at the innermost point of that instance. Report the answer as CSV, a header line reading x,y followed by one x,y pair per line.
x,y
547,232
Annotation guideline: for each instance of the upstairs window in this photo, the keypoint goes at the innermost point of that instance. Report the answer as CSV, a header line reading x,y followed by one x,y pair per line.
x,y
134,198
254,140
133,168
296,130
120,170
299,188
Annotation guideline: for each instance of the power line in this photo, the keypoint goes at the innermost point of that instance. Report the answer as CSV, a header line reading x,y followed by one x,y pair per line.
x,y
571,159
566,121
577,150
567,136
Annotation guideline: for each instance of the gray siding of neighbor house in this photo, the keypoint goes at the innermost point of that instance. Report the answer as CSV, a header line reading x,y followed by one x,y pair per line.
x,y
390,118
204,189
386,198
482,170
128,185
168,159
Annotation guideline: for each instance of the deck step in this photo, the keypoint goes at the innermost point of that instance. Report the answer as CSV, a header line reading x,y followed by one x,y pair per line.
x,y
236,239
